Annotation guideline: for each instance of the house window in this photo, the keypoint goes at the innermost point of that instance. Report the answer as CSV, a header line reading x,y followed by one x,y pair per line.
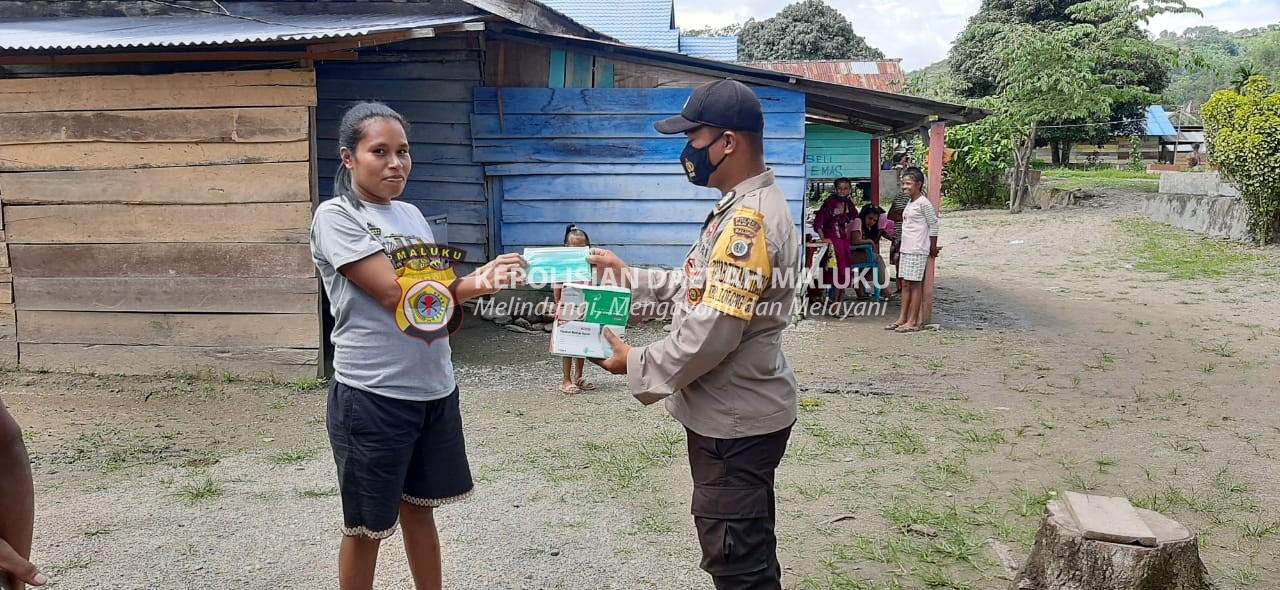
x,y
572,70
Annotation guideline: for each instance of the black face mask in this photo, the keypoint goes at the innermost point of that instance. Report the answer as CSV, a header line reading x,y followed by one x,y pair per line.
x,y
697,161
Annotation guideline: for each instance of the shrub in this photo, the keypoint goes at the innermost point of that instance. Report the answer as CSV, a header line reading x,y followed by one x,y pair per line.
x,y
1244,141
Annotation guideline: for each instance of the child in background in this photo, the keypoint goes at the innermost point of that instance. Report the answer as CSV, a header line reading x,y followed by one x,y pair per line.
x,y
574,382
919,237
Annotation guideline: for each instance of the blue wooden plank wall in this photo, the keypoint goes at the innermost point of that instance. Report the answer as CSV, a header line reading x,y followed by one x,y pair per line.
x,y
832,152
431,84
592,157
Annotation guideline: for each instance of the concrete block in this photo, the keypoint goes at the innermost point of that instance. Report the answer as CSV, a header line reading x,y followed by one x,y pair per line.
x,y
1196,183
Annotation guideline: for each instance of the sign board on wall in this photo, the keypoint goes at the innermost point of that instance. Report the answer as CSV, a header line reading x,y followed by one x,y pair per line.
x,y
831,152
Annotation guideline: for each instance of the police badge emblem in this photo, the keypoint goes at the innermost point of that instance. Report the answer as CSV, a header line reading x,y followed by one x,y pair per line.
x,y
428,307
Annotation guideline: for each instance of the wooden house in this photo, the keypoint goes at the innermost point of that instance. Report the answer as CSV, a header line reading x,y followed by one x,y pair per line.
x,y
159,163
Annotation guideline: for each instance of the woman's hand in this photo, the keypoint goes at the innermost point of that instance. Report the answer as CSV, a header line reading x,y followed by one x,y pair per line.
x,y
503,272
14,570
608,268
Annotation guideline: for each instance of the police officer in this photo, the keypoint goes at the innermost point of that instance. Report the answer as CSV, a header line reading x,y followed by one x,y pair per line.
x,y
721,369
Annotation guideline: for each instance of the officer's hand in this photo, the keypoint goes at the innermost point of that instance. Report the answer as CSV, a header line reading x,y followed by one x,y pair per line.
x,y
616,364
14,570
608,268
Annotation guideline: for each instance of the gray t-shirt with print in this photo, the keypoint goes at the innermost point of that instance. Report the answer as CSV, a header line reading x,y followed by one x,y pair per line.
x,y
370,351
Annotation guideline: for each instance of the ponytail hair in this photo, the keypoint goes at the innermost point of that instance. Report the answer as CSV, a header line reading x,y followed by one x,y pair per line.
x,y
573,230
350,132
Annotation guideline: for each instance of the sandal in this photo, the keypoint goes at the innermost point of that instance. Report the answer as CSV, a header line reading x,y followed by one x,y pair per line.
x,y
585,385
893,326
570,389
906,330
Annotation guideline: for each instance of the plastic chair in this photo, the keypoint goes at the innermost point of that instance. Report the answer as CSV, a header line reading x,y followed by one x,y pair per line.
x,y
870,263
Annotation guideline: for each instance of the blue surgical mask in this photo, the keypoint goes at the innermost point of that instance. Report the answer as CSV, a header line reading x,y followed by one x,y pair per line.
x,y
697,162
557,265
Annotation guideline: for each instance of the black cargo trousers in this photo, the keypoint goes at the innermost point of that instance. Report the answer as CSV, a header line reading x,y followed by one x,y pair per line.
x,y
733,508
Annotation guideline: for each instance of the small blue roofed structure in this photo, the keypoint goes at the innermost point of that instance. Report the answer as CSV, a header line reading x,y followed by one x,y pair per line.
x,y
645,23
1158,122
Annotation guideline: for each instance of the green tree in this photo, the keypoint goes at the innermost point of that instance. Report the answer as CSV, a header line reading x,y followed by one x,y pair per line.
x,y
726,31
984,152
1244,138
1263,51
806,30
1046,77
973,63
1135,69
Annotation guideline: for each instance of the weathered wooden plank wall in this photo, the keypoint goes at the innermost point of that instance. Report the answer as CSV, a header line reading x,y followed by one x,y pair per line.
x,y
591,156
832,152
158,223
430,82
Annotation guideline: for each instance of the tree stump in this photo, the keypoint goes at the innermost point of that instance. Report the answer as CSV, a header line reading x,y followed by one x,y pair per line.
x,y
1070,556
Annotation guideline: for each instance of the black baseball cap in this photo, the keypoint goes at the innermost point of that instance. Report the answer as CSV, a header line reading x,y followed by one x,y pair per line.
x,y
726,104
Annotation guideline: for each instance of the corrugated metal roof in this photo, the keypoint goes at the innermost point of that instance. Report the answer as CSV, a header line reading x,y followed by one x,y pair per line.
x,y
69,33
885,76
645,23
718,48
1158,122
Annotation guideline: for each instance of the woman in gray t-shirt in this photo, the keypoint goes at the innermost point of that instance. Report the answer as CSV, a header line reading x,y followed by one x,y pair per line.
x,y
393,420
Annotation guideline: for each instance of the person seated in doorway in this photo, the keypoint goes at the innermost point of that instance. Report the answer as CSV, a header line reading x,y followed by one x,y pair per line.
x,y
832,223
864,230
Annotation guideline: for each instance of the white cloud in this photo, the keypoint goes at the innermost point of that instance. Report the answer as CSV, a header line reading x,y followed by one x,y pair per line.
x,y
921,32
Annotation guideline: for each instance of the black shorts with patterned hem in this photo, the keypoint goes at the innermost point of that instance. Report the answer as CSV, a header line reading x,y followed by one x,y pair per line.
x,y
390,451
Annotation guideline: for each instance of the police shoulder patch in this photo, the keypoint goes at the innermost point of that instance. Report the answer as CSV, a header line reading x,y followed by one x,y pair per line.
x,y
739,270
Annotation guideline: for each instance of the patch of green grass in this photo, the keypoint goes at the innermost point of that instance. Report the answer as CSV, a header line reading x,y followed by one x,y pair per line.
x,y
935,577
1259,529
831,438
946,474
903,439
201,491
620,466
1227,485
294,456
1108,172
1184,255
281,404
960,414
316,494
1105,361
812,491
1082,483
1221,349
301,385
1028,503
1104,462
974,435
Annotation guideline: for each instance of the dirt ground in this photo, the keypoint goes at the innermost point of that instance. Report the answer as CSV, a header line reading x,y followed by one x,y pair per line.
x,y
1070,356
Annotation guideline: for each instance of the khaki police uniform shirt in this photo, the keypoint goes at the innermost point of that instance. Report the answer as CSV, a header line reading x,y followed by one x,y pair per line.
x,y
721,369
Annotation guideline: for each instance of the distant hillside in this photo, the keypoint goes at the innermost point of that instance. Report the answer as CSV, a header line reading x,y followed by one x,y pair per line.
x,y
1219,60
932,81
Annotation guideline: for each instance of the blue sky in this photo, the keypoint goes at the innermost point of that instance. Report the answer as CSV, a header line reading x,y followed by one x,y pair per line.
x,y
920,32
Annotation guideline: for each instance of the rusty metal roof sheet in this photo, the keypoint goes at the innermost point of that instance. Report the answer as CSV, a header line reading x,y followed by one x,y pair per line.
x,y
885,76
